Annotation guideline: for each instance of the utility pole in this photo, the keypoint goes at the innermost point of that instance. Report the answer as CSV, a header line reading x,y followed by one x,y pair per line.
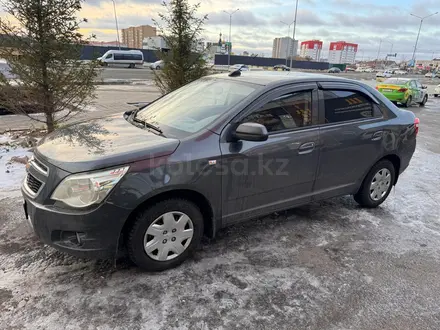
x,y
418,34
294,29
230,26
117,27
288,35
378,52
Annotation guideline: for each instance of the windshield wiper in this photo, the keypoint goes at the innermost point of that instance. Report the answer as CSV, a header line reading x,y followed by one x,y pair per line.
x,y
146,124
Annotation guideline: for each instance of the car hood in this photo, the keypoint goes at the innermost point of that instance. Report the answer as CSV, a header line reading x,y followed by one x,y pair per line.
x,y
102,143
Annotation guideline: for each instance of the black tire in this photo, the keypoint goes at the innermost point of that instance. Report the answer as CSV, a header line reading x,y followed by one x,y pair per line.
x,y
158,67
425,99
408,102
135,242
435,95
131,66
363,195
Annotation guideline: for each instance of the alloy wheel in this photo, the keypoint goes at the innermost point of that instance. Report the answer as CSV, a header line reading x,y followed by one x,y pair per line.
x,y
380,184
168,236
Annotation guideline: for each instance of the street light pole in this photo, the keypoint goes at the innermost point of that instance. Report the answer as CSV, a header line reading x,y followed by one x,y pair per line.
x,y
418,34
288,35
294,29
378,52
230,26
117,27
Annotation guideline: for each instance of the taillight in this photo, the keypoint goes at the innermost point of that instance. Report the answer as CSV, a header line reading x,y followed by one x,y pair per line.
x,y
416,124
377,87
402,90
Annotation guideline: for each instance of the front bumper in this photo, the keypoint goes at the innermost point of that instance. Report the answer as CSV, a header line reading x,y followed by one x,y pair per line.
x,y
85,234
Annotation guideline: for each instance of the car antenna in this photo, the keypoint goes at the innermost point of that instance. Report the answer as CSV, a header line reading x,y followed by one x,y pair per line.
x,y
236,73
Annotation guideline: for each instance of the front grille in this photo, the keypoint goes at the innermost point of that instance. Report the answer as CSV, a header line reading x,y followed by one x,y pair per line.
x,y
33,183
41,165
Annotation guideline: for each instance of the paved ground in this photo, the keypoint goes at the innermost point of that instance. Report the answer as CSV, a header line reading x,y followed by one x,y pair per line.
x,y
329,265
110,99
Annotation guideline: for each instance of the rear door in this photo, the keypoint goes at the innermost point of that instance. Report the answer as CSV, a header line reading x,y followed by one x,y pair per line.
x,y
420,90
350,138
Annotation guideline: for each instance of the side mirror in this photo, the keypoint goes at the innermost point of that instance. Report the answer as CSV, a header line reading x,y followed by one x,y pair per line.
x,y
251,132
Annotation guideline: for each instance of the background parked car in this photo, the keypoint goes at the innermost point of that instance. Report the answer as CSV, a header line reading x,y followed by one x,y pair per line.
x,y
383,74
281,67
401,72
158,65
241,67
437,91
334,70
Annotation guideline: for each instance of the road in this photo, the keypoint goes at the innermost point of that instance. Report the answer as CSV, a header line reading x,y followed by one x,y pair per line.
x,y
329,265
123,73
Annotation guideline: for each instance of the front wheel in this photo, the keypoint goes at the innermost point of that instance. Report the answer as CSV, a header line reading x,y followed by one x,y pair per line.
x,y
165,234
131,66
377,185
435,95
425,99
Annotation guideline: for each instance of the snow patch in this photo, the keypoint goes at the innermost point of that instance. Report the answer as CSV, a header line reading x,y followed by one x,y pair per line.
x,y
11,173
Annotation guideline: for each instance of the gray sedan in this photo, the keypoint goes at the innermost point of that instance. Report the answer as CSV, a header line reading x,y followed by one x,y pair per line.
x,y
223,149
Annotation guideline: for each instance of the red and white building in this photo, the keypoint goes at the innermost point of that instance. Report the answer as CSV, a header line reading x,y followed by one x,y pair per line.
x,y
341,52
312,49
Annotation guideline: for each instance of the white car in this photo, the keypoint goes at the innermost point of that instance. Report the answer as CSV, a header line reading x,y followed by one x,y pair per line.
x,y
437,91
240,67
384,74
401,72
369,70
428,75
158,65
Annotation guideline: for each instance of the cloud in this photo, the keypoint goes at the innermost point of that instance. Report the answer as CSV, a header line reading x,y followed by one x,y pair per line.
x,y
240,18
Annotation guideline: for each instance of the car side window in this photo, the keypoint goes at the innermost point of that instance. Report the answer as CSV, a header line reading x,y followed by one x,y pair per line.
x,y
109,56
413,84
288,111
419,85
344,105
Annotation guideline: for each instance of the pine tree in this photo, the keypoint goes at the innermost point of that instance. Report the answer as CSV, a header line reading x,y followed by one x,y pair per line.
x,y
42,46
181,29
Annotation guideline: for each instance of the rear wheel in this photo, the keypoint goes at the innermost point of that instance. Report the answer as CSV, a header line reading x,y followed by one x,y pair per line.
x,y
165,234
425,99
131,66
377,184
435,95
408,102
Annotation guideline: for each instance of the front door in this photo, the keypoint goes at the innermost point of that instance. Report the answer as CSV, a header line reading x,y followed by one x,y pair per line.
x,y
350,138
416,92
262,177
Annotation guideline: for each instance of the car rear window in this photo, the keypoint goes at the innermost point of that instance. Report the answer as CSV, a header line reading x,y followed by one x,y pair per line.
x,y
341,105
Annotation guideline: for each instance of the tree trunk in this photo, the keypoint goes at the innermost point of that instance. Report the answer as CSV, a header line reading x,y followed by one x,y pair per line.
x,y
50,123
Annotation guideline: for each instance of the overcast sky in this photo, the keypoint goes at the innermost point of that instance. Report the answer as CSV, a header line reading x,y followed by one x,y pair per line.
x,y
257,23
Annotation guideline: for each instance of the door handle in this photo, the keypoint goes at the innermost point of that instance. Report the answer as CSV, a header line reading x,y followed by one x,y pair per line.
x,y
306,148
377,136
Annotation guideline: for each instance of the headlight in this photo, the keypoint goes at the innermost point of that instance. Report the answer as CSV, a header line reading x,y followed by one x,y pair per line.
x,y
82,190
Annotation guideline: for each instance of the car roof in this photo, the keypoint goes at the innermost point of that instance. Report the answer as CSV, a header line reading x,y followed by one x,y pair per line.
x,y
403,80
279,78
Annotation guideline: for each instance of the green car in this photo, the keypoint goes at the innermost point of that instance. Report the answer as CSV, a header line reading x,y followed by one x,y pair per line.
x,y
404,91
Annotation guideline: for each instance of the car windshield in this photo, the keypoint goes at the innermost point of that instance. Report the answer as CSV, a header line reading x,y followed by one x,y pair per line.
x,y
194,106
395,81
